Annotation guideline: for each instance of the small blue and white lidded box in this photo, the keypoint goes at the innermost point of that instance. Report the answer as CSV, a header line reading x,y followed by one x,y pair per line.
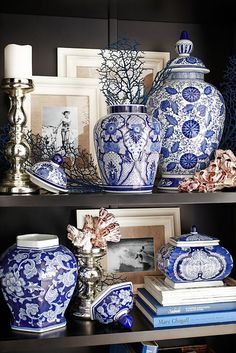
x,y
194,260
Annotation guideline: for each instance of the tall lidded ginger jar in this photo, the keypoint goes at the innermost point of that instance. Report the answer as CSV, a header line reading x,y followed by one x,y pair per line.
x,y
191,113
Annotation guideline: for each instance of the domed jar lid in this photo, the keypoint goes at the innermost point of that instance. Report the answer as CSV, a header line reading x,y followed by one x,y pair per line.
x,y
49,175
193,239
185,62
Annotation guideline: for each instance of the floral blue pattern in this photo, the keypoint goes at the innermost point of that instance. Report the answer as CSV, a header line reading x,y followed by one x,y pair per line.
x,y
190,128
127,146
191,94
188,160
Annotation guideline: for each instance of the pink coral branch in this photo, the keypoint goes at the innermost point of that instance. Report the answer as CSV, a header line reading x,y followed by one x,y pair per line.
x,y
96,231
220,173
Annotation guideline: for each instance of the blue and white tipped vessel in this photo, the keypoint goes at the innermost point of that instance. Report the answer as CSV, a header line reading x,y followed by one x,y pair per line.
x,y
127,144
191,113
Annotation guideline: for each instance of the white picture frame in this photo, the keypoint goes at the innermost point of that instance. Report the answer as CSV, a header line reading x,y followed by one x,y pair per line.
x,y
53,95
151,228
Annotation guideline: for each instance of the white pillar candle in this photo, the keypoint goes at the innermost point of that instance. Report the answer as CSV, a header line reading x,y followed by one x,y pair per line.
x,y
18,61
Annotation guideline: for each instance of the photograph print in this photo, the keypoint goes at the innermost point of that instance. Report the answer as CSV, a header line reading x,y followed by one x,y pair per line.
x,y
131,255
63,125
134,255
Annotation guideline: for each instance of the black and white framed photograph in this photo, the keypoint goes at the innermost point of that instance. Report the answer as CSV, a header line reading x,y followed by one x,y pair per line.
x,y
143,232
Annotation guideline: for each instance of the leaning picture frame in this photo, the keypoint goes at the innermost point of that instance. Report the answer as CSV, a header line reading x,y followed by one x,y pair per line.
x,y
143,232
84,64
46,108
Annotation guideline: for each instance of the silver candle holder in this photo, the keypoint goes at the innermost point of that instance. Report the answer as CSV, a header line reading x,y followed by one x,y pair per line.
x,y
17,150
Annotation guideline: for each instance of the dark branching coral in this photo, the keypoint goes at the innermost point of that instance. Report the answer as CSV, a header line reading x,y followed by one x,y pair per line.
x,y
122,74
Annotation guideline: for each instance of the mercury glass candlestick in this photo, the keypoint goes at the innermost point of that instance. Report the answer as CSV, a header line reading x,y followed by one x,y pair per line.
x,y
17,150
89,276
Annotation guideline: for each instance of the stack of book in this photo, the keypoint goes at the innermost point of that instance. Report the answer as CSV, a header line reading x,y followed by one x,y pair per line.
x,y
165,306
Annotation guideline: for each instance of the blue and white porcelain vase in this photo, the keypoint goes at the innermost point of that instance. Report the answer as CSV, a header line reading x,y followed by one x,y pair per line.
x,y
191,113
194,259
38,277
127,144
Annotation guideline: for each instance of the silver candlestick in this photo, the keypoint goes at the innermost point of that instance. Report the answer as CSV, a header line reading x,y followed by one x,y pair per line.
x,y
17,151
89,276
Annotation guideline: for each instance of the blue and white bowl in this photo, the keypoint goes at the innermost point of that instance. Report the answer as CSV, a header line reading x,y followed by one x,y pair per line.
x,y
114,304
49,175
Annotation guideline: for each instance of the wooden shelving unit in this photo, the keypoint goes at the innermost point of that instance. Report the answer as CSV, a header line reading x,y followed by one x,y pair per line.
x,y
92,200
81,334
92,24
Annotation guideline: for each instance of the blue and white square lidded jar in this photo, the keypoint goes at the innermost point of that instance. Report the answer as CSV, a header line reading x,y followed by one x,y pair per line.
x,y
194,259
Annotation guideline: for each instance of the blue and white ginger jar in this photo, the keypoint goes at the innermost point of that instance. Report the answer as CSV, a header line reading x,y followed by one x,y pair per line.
x,y
127,144
194,257
38,277
191,113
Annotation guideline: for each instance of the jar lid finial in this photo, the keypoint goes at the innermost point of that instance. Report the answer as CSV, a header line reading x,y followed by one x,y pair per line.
x,y
184,46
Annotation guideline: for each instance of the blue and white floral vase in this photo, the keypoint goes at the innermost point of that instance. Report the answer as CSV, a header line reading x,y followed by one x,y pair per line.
x,y
194,259
38,277
127,144
191,113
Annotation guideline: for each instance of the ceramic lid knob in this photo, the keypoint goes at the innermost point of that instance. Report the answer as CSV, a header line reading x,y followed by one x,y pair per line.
x,y
184,46
194,230
126,321
57,158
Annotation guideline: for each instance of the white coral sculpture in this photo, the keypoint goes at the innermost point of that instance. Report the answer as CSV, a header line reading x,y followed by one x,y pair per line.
x,y
96,232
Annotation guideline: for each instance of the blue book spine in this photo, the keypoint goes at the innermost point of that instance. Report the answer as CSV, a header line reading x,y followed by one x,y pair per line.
x,y
159,309
145,347
185,319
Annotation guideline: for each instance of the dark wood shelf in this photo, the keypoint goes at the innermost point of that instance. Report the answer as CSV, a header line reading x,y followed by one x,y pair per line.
x,y
86,333
113,200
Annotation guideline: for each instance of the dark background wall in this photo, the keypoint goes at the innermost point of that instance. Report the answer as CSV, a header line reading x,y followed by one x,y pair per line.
x,y
212,42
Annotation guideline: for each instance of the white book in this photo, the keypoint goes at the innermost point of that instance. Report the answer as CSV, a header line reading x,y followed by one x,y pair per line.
x,y
166,295
199,284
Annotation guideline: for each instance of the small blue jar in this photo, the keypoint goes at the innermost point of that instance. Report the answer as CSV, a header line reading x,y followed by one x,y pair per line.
x,y
194,258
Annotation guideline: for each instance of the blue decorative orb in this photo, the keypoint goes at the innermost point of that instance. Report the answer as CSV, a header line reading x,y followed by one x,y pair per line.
x,y
57,158
126,321
38,277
